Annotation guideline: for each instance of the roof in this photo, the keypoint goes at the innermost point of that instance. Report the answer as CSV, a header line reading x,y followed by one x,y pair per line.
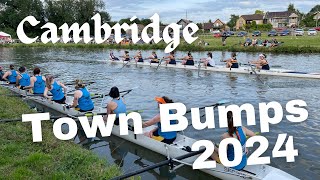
x,y
3,34
283,14
251,17
207,26
184,20
218,21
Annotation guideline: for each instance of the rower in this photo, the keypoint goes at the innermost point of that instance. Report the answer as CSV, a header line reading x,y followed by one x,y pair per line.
x,y
113,57
117,105
232,62
82,99
55,88
240,133
37,82
126,56
188,60
208,62
11,75
156,133
154,58
170,59
138,57
262,63
23,78
1,74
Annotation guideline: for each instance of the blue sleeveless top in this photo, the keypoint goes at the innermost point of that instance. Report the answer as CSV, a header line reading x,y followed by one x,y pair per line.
x,y
230,150
39,85
25,80
121,108
56,91
167,135
85,102
13,77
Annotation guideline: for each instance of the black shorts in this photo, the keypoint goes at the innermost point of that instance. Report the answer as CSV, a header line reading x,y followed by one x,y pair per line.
x,y
116,122
190,62
172,62
153,61
115,59
22,87
167,141
235,65
209,65
12,83
61,101
140,60
265,67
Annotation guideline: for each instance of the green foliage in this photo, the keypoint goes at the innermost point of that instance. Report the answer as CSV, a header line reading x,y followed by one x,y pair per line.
x,y
233,21
20,158
291,8
14,11
259,12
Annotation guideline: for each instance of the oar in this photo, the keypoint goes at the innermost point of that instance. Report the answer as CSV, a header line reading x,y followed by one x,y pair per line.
x,y
89,114
159,63
246,64
213,105
199,66
254,71
106,95
89,82
126,63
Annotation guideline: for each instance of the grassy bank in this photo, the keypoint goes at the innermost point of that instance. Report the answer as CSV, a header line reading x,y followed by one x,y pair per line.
x,y
304,44
20,158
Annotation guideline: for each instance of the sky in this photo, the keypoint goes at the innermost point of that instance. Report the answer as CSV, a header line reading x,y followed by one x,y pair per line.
x,y
171,11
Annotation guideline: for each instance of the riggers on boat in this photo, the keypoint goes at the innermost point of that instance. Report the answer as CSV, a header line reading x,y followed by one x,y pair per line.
x,y
179,147
240,70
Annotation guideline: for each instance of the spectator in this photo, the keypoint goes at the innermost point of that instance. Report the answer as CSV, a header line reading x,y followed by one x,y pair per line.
x,y
259,42
248,42
254,42
224,36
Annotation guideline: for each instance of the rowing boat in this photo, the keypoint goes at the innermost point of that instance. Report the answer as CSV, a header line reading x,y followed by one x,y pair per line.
x,y
240,70
178,148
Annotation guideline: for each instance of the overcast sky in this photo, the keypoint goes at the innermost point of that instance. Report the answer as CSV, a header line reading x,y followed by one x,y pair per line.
x,y
198,10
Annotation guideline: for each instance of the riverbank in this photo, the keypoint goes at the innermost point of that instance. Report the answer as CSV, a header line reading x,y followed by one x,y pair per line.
x,y
20,158
290,45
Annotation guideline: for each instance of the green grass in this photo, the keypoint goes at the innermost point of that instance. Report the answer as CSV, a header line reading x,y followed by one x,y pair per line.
x,y
303,44
20,158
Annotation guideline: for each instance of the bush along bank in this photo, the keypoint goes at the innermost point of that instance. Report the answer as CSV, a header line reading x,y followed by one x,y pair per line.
x,y
181,47
20,158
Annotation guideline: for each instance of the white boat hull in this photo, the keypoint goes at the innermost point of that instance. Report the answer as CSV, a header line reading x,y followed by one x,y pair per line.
x,y
240,70
175,150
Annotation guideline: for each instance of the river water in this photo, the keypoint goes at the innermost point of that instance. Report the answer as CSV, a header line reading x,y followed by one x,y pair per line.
x,y
194,91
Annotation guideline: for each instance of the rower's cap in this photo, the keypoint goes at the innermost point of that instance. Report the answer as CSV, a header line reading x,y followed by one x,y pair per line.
x,y
0,67
262,55
79,84
160,100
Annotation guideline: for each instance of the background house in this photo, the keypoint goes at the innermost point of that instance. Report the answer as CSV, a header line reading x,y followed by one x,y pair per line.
x,y
316,17
140,28
184,22
248,19
216,25
281,19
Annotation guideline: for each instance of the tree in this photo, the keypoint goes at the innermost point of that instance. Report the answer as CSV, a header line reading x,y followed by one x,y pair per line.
x,y
209,21
200,25
291,8
145,22
12,12
259,12
233,21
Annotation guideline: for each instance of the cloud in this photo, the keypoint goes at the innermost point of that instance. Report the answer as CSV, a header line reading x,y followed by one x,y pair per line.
x,y
198,10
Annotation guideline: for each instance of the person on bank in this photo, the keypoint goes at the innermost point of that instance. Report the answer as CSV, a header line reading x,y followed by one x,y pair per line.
x,y
240,133
116,106
113,57
261,63
232,62
153,58
1,73
156,133
82,99
208,62
23,78
55,88
170,59
11,75
37,82
188,60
